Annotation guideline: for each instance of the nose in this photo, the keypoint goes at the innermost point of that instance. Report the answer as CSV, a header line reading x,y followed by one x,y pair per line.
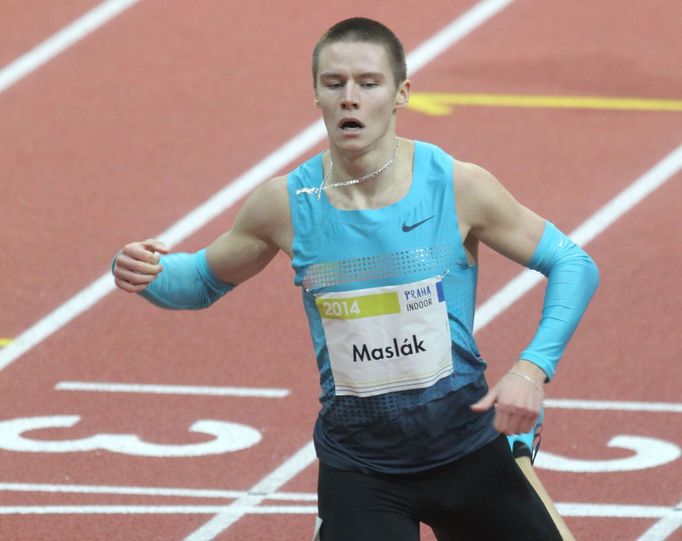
x,y
350,97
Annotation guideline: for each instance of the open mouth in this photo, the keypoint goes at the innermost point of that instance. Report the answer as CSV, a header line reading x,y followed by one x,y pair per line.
x,y
351,125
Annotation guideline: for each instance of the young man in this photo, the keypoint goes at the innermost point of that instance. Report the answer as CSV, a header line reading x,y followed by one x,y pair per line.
x,y
383,235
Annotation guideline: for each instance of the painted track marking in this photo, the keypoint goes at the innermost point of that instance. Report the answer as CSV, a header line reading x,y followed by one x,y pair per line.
x,y
2,365
151,491
170,389
257,494
664,528
62,40
643,453
15,435
613,510
557,403
657,407
152,509
441,104
565,509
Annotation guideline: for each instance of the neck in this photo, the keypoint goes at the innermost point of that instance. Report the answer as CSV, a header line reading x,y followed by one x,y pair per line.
x,y
373,162
377,192
369,179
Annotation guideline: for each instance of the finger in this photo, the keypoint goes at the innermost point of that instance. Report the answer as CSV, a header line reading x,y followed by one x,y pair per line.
x,y
125,263
129,287
501,422
134,278
155,245
502,419
138,251
512,420
485,403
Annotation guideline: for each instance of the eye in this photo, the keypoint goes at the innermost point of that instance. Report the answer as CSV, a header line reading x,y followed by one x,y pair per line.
x,y
369,84
333,85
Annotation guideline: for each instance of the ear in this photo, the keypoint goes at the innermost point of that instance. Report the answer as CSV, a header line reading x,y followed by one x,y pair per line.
x,y
403,95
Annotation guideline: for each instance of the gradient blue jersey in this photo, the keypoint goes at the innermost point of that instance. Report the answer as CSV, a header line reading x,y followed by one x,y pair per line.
x,y
360,254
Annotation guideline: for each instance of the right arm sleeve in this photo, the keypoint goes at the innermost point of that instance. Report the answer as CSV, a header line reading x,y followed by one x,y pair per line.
x,y
186,283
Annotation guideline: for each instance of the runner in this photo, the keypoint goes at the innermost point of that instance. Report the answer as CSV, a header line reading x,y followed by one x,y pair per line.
x,y
383,234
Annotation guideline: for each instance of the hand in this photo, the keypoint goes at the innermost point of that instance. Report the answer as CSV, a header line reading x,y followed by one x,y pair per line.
x,y
137,264
517,400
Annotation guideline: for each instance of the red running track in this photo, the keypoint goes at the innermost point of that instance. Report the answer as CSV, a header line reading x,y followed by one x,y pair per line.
x,y
128,130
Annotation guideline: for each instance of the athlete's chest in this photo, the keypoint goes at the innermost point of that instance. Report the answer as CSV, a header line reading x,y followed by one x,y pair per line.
x,y
371,252
368,232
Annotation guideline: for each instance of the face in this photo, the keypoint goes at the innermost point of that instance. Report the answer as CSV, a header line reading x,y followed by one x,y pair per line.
x,y
357,95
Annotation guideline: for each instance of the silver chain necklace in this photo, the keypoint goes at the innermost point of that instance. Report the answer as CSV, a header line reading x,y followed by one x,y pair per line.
x,y
324,186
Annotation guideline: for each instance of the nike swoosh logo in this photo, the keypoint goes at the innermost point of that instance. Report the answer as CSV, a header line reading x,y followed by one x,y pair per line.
x,y
408,228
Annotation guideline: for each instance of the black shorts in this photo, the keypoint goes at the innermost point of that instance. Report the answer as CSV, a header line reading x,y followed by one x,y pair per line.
x,y
483,496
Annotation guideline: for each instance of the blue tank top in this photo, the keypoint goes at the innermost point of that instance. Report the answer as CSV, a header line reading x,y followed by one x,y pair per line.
x,y
416,238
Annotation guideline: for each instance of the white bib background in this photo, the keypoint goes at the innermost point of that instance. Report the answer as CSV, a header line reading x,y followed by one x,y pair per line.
x,y
387,339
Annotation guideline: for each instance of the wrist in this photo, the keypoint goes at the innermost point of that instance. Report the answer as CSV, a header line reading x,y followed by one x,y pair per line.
x,y
531,370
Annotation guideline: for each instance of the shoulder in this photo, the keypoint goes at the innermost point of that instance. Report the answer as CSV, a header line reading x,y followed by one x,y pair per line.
x,y
472,177
271,193
273,190
267,208
477,191
465,174
493,215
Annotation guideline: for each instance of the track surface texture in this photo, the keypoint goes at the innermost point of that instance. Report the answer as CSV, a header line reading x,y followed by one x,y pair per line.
x,y
119,421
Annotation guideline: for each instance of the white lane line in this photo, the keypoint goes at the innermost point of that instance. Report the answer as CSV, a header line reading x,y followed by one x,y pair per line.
x,y
186,226
170,389
151,509
151,491
458,29
558,403
565,509
62,40
257,494
665,527
54,321
657,407
612,510
177,232
101,287
653,179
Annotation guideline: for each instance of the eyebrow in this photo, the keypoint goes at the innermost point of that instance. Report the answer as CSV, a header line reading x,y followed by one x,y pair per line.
x,y
365,75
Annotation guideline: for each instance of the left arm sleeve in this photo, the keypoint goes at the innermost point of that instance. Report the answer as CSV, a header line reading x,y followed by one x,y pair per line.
x,y
573,278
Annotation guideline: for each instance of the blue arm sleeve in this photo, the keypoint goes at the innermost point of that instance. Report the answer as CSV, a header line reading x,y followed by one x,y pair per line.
x,y
186,283
573,278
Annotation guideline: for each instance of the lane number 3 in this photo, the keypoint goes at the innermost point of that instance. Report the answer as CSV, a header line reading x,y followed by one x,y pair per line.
x,y
228,437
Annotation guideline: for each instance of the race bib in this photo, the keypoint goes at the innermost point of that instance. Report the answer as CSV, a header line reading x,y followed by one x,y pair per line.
x,y
387,339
